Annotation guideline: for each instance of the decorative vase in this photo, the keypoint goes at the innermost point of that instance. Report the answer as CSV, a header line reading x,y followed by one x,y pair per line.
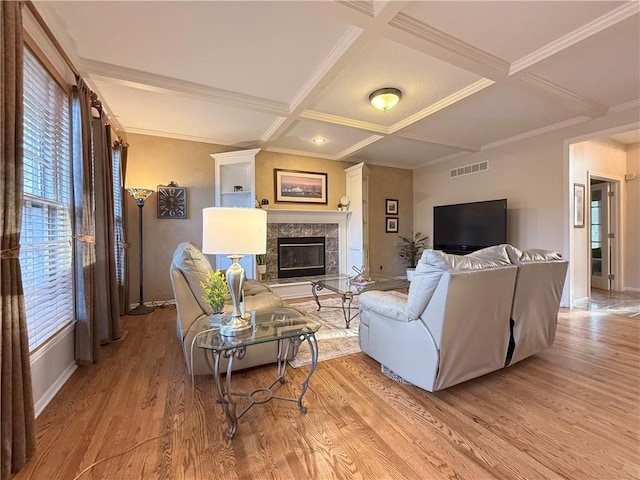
x,y
262,269
216,319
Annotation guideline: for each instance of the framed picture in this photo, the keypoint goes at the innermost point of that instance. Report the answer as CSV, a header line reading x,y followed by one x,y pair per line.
x,y
391,225
392,207
300,187
578,205
172,201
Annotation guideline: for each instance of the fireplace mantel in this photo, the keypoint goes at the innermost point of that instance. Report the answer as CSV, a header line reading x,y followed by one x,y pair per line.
x,y
278,215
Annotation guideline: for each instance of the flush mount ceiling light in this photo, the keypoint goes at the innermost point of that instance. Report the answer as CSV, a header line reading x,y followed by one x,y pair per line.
x,y
319,140
385,98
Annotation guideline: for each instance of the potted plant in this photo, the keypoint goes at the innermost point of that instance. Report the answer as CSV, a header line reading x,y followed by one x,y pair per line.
x,y
411,250
215,294
261,261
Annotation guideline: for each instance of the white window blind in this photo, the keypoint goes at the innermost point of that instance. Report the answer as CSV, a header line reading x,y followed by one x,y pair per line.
x,y
117,213
46,239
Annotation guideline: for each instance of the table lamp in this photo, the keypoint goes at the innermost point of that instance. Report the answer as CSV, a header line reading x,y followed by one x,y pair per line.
x,y
234,232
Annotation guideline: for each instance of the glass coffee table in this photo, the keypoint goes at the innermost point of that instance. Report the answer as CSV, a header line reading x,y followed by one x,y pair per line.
x,y
343,286
287,326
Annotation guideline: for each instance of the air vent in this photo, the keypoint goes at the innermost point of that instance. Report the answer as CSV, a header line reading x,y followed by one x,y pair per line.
x,y
469,169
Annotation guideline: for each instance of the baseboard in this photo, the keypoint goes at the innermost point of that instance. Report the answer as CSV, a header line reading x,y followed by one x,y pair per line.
x,y
51,392
631,289
294,290
154,303
579,300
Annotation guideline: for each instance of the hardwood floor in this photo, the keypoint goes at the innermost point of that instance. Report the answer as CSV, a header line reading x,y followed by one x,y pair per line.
x,y
570,412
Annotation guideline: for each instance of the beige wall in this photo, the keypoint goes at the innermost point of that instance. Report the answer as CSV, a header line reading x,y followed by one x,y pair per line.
x,y
632,241
157,161
397,184
533,174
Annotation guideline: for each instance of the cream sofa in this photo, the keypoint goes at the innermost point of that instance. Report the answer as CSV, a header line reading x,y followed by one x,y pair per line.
x,y
464,316
188,268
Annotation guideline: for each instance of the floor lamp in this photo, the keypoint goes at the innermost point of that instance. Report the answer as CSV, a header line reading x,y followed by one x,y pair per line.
x,y
140,194
234,232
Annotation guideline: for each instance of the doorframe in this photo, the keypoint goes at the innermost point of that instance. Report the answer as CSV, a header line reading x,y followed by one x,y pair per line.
x,y
616,207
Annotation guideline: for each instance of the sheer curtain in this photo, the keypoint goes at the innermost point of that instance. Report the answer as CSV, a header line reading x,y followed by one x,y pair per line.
x,y
17,418
87,335
120,150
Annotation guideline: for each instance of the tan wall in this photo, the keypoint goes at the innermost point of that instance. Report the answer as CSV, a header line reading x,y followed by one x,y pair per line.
x,y
157,161
397,184
632,241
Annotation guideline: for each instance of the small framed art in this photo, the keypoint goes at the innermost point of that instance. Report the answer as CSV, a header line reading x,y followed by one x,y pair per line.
x,y
391,225
172,201
392,207
300,187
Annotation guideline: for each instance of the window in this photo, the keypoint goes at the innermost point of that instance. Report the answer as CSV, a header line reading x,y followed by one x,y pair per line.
x,y
46,254
117,213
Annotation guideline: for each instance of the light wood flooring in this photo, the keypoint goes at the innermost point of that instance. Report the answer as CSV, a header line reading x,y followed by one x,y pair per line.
x,y
571,412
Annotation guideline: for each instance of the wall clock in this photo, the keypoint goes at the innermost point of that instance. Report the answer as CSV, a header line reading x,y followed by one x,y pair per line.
x,y
172,201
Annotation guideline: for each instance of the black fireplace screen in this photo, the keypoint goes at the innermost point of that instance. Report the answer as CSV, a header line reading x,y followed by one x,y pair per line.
x,y
301,256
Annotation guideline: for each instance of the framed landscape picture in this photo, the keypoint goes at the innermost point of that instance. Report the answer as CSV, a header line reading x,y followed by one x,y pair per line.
x,y
391,225
392,206
300,187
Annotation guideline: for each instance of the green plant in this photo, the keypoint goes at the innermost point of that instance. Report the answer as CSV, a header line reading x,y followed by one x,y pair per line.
x,y
412,248
261,259
215,290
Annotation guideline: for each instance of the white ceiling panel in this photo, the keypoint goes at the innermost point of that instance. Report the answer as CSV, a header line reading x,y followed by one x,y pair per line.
x,y
402,152
339,138
140,110
264,49
508,29
495,113
605,67
423,80
274,74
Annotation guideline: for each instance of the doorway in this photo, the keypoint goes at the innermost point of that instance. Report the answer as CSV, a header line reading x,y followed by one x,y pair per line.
x,y
602,232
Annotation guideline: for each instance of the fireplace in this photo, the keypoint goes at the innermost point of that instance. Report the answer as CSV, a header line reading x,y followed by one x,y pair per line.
x,y
301,256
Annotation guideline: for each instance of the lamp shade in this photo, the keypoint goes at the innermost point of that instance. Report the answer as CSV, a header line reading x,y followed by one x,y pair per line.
x,y
234,231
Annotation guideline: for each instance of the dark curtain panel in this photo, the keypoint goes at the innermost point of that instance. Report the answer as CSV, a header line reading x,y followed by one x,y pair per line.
x,y
106,300
87,335
17,418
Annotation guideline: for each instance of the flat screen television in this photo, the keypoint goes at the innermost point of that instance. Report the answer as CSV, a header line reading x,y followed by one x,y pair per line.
x,y
466,227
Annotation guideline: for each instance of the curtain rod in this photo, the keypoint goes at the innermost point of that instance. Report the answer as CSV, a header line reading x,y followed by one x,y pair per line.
x,y
51,36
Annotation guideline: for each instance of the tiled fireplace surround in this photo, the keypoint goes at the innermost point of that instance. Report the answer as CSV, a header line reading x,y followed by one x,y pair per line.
x,y
299,223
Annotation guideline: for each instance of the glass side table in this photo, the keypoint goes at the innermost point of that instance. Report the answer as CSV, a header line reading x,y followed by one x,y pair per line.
x,y
287,326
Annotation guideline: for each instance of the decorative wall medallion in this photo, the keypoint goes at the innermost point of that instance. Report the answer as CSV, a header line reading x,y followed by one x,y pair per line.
x,y
172,201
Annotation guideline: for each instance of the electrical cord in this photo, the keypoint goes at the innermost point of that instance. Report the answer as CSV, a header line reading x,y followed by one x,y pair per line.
x,y
173,430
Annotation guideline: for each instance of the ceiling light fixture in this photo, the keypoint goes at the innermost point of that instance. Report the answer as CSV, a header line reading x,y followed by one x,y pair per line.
x,y
385,98
319,140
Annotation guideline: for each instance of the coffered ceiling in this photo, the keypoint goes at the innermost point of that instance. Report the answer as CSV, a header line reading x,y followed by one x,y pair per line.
x,y
275,75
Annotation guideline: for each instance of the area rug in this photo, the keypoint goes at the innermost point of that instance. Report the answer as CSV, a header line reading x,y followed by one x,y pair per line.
x,y
334,340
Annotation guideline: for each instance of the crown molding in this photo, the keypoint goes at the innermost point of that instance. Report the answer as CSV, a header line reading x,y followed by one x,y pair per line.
x,y
588,106
272,129
366,8
444,103
625,106
358,146
303,153
344,121
338,51
444,159
599,24
191,138
536,132
425,32
160,83
439,141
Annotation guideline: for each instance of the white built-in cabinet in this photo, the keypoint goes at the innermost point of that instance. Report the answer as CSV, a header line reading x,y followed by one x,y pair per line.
x,y
358,221
235,186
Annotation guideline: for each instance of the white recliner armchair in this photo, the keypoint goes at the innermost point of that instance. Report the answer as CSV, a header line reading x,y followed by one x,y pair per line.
x,y
464,316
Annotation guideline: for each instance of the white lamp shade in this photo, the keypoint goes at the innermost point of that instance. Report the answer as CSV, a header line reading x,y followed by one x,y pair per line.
x,y
234,231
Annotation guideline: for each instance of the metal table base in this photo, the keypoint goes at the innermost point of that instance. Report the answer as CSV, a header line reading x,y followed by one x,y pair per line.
x,y
226,396
347,298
